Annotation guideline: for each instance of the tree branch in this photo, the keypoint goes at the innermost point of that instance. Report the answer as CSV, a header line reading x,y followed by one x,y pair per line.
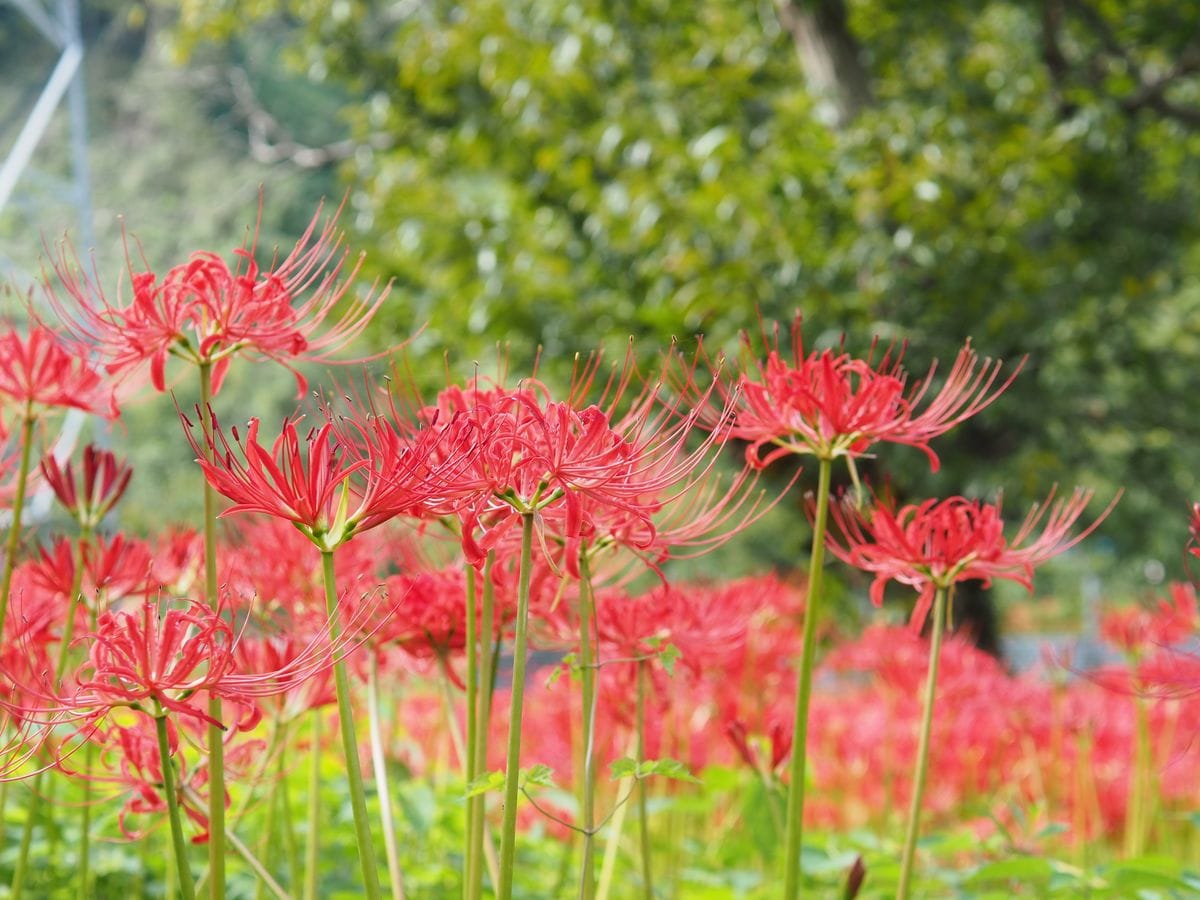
x,y
271,142
1151,86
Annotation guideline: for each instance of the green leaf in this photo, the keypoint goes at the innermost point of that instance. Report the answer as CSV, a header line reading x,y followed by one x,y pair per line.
x,y
1145,872
490,781
623,768
667,768
668,656
556,673
1051,830
539,774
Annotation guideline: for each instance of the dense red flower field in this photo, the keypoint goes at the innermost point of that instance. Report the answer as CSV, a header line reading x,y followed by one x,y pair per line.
x,y
472,592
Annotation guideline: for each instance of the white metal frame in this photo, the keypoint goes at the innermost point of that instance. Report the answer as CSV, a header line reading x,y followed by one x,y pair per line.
x,y
59,26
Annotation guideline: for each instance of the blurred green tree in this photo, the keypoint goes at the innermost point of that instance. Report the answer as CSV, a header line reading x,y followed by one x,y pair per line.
x,y
566,173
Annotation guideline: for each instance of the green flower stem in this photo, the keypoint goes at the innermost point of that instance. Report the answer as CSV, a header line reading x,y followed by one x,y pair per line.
x,y
266,838
472,766
613,844
274,753
1141,776
587,788
914,809
21,867
795,804
216,746
457,742
170,877
458,746
257,867
643,817
314,809
18,509
31,817
89,764
483,714
178,844
289,824
85,823
382,786
358,798
512,773
265,879
74,598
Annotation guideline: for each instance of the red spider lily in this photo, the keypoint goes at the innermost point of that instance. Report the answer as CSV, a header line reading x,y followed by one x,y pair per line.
x,y
171,656
1153,641
268,560
156,655
206,312
290,653
40,370
935,544
779,738
281,482
178,560
830,404
384,475
1137,630
132,753
31,630
1171,673
104,481
427,612
113,569
129,761
174,658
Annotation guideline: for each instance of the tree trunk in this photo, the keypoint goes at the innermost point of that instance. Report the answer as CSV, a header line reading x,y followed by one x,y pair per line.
x,y
828,53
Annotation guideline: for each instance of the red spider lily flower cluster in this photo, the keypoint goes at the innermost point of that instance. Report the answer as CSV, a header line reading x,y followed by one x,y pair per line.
x,y
105,479
591,476
40,370
206,312
1060,749
827,403
933,545
380,475
1138,630
1155,643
